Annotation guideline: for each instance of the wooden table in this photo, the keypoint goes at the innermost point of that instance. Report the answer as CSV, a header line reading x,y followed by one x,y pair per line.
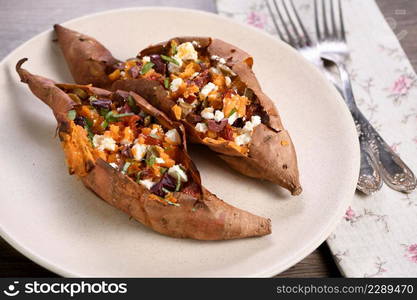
x,y
20,20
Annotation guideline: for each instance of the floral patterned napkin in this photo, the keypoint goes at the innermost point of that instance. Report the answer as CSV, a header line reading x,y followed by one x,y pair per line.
x,y
378,235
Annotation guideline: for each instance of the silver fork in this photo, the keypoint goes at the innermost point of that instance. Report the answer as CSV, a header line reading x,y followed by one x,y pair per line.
x,y
333,48
369,179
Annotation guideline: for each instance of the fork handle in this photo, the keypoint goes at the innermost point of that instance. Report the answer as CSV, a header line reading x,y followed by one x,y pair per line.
x,y
395,173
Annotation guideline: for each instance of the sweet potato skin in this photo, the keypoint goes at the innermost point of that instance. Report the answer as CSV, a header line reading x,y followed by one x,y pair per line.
x,y
241,63
87,59
203,217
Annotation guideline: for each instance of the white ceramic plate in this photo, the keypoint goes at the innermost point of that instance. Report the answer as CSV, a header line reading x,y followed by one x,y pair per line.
x,y
52,219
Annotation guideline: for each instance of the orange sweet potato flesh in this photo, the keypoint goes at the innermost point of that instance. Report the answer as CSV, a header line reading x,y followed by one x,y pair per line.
x,y
202,217
271,155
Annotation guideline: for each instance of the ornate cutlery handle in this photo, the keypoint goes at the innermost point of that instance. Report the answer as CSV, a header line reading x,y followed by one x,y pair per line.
x,y
395,173
369,180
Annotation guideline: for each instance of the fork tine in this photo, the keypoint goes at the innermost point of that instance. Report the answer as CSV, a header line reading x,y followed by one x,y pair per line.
x,y
290,39
323,11
298,37
333,32
306,36
342,25
281,36
316,20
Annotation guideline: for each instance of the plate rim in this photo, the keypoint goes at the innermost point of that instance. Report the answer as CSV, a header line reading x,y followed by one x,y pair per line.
x,y
274,269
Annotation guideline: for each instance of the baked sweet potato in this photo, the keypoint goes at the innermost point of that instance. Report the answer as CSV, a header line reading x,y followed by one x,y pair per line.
x,y
135,158
209,86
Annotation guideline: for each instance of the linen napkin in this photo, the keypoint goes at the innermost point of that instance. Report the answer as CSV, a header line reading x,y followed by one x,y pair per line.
x,y
378,235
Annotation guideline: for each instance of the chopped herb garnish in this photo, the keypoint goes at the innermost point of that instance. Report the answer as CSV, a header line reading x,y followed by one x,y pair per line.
x,y
80,93
232,112
162,170
138,176
166,191
112,117
90,134
146,67
174,49
89,122
71,114
103,112
166,82
170,59
147,120
178,186
150,160
122,115
126,167
171,203
104,124
132,104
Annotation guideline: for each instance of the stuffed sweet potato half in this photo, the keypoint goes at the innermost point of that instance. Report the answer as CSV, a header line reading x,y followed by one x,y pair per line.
x,y
135,158
206,84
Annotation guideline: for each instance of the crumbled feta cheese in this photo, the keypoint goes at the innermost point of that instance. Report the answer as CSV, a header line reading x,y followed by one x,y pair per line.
x,y
146,59
195,44
201,127
243,139
214,70
125,142
232,118
250,125
194,75
102,142
139,151
185,106
154,133
228,81
173,136
256,120
176,171
147,183
114,165
207,89
218,58
207,113
175,84
173,68
159,160
186,51
218,115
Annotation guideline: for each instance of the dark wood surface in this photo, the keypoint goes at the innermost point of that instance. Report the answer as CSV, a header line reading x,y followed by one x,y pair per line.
x,y
401,14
